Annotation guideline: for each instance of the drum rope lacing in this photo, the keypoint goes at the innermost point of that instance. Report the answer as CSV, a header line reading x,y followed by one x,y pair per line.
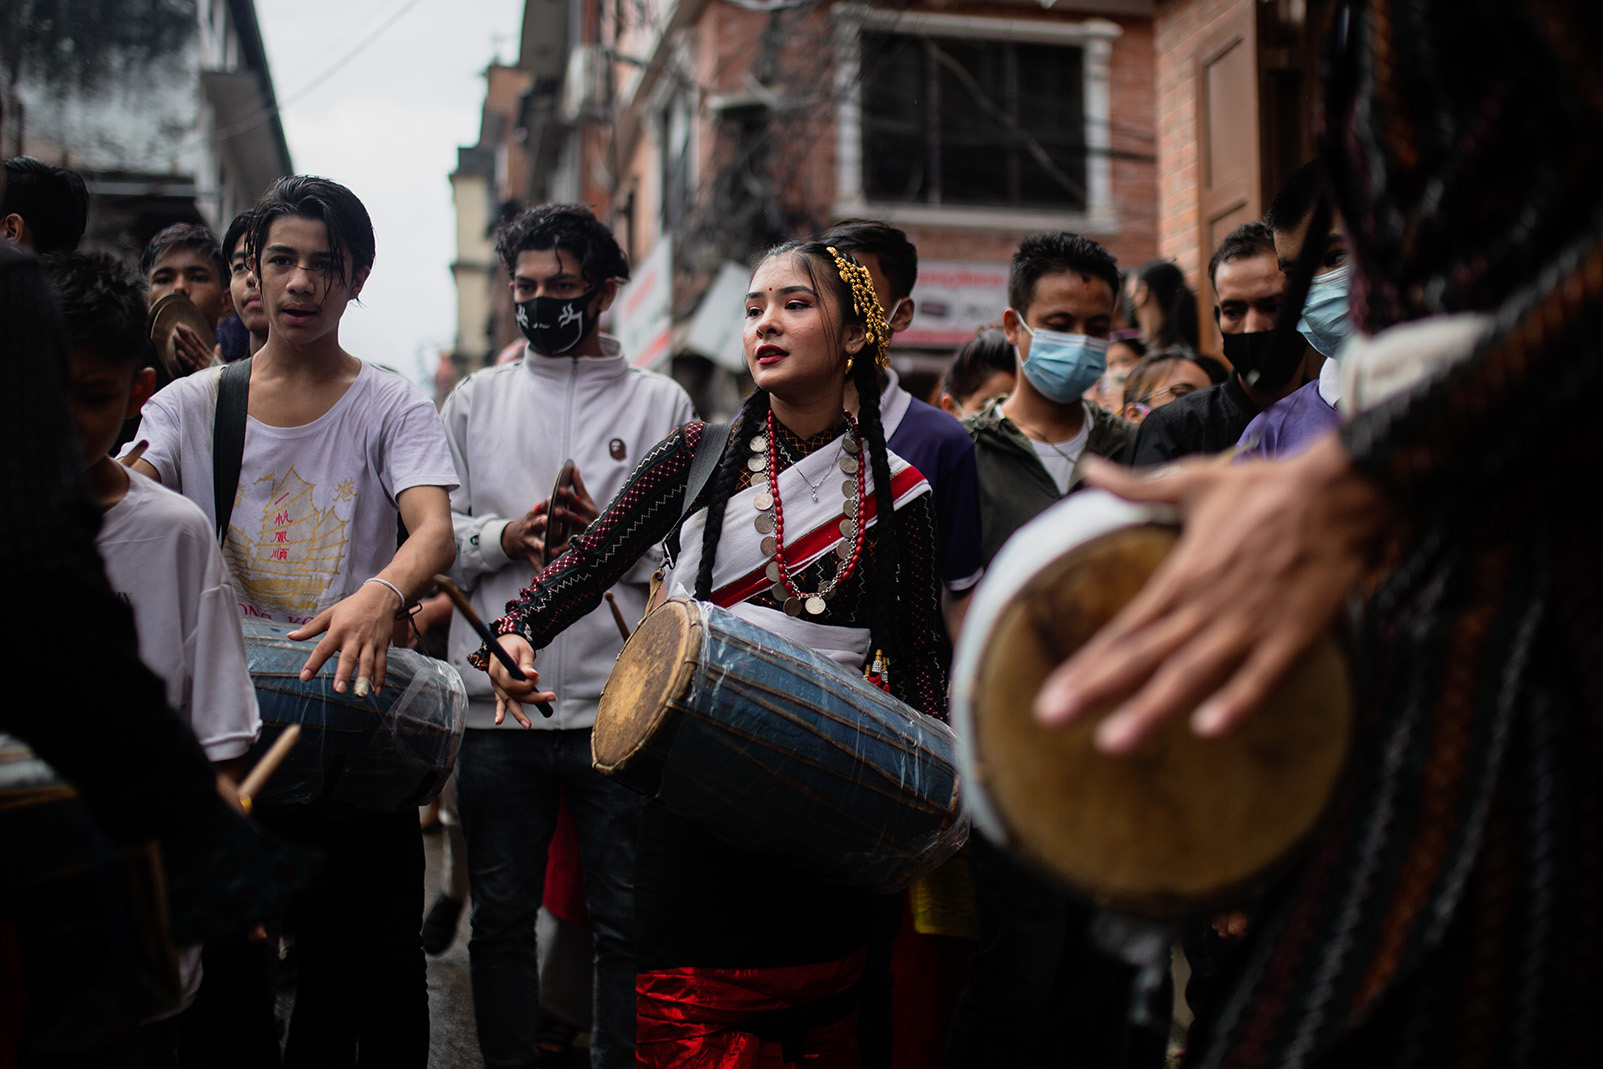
x,y
852,527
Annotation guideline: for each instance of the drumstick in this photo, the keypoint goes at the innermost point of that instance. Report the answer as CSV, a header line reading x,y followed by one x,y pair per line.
x,y
461,602
128,458
269,763
617,616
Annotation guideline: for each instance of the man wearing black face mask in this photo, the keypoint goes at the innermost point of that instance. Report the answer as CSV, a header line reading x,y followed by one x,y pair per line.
x,y
1247,285
510,428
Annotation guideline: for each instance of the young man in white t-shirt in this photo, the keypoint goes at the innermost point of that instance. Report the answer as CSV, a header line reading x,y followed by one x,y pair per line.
x,y
158,550
336,450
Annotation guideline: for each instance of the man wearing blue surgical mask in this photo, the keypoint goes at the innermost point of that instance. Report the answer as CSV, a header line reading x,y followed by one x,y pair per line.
x,y
1061,291
1038,990
1293,423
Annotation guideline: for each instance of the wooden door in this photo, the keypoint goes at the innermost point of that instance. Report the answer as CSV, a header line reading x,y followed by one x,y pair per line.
x,y
1229,140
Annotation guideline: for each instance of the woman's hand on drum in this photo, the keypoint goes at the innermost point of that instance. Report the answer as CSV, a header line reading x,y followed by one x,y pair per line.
x,y
511,693
1268,554
359,628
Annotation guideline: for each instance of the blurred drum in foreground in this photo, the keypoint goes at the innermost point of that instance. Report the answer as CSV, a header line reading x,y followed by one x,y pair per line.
x,y
84,951
1186,824
388,751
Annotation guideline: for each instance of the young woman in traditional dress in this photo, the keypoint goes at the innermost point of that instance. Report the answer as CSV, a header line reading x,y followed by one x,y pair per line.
x,y
746,957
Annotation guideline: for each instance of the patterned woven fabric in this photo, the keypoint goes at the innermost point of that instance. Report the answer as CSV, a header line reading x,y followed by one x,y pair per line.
x,y
649,506
1449,915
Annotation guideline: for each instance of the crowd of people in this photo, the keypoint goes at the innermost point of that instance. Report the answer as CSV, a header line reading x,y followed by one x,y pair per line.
x,y
1411,317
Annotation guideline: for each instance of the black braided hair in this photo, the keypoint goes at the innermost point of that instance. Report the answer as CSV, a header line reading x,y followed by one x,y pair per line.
x,y
888,552
749,421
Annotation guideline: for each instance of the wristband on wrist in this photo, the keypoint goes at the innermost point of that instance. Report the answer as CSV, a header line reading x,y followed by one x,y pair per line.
x,y
393,588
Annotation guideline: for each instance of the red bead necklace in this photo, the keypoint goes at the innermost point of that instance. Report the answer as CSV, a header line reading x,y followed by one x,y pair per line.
x,y
815,602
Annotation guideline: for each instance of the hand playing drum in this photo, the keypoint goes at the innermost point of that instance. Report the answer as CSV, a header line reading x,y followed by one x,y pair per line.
x,y
511,693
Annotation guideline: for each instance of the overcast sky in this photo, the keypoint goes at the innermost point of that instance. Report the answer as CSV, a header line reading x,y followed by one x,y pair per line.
x,y
387,124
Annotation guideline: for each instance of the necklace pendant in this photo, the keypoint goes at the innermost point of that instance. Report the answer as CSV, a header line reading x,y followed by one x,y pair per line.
x,y
850,445
757,463
843,549
848,528
769,545
772,571
815,605
793,606
814,491
759,444
849,465
763,501
764,522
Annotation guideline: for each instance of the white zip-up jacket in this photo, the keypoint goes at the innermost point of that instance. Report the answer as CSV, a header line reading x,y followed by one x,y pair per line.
x,y
510,428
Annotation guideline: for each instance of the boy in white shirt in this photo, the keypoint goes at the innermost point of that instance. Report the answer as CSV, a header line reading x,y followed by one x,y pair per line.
x,y
159,552
335,451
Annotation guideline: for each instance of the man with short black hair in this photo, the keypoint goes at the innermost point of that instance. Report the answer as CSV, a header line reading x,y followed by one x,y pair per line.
x,y
43,208
1061,289
1039,991
1293,423
244,291
510,428
1247,285
186,258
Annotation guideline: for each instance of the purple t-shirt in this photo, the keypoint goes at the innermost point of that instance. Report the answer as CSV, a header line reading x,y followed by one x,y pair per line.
x,y
1290,425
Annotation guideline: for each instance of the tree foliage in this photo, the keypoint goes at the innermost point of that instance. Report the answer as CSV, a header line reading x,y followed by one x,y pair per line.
x,y
86,44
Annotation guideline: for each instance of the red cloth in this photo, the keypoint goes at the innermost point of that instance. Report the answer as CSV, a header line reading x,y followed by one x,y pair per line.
x,y
690,1018
564,876
927,976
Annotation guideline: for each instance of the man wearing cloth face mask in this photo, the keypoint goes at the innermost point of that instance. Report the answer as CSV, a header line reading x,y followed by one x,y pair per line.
x,y
1247,286
1061,290
1290,425
510,428
1039,992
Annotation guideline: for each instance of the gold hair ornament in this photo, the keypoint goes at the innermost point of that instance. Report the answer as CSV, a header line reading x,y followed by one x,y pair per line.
x,y
866,304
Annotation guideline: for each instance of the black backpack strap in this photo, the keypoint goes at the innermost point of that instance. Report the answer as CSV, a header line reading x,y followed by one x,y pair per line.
x,y
228,440
714,438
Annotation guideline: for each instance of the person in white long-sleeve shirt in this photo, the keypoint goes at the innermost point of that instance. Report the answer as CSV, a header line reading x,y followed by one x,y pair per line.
x,y
573,396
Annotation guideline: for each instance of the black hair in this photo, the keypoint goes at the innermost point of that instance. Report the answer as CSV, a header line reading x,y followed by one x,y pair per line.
x,y
102,305
572,228
1167,284
975,361
898,258
235,233
1135,345
1242,243
304,196
183,236
1297,198
752,420
1054,252
51,200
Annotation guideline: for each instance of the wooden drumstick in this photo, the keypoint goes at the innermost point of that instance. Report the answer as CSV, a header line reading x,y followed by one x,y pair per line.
x,y
128,458
269,763
461,602
617,616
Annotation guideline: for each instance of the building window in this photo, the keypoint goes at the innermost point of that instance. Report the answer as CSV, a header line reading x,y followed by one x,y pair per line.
x,y
973,120
963,122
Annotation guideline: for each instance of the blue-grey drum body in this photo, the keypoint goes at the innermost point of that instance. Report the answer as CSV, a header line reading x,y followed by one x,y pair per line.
x,y
776,748
387,751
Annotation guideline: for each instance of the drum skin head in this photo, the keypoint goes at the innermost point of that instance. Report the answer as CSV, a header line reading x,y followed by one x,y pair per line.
x,y
1186,824
165,317
654,667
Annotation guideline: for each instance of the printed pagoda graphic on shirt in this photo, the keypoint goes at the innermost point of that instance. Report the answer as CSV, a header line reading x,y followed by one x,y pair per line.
x,y
296,554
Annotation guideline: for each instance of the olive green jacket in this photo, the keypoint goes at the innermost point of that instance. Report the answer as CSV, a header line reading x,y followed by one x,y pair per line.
x,y
1014,486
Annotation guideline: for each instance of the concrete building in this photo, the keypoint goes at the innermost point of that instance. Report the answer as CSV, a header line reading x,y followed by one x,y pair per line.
x,y
168,111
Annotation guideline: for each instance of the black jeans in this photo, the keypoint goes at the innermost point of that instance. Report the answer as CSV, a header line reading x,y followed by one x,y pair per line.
x,y
508,784
1039,992
362,983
